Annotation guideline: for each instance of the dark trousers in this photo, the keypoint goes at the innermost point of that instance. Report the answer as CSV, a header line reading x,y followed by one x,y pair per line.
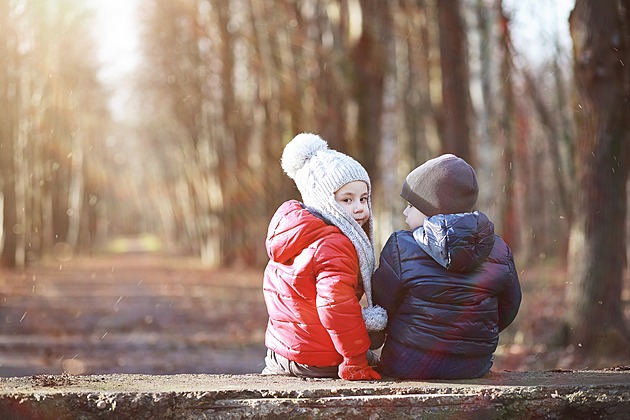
x,y
400,361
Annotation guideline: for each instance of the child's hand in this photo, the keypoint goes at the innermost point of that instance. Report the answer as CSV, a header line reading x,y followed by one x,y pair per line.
x,y
357,369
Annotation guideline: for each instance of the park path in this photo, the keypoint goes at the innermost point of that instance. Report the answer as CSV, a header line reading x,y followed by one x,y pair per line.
x,y
130,313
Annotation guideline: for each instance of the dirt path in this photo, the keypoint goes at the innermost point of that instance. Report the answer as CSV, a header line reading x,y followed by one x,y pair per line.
x,y
151,314
130,313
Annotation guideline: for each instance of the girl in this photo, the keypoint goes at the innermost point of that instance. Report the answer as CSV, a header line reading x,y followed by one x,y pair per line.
x,y
321,261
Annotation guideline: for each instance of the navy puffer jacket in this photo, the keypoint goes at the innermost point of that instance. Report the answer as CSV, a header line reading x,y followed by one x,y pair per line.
x,y
449,286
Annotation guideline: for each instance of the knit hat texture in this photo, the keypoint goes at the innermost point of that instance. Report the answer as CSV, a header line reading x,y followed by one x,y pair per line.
x,y
318,173
446,184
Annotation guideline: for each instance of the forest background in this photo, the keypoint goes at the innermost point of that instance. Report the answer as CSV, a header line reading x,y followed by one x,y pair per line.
x,y
184,155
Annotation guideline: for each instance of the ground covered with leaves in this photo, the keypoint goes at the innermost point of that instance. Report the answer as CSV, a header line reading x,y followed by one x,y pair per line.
x,y
149,313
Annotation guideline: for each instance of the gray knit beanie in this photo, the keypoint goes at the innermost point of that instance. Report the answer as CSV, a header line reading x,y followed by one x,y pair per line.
x,y
446,184
318,173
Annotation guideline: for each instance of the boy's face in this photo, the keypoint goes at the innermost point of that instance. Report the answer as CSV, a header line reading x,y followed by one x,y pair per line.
x,y
413,217
353,198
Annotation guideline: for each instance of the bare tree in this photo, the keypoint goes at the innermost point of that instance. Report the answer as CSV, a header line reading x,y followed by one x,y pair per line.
x,y
507,134
456,103
597,250
8,108
370,68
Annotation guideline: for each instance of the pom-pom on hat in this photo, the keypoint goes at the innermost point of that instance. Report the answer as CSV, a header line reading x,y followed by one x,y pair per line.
x,y
446,184
318,173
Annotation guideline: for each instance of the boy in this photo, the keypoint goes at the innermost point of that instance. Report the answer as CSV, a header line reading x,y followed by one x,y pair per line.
x,y
321,261
449,285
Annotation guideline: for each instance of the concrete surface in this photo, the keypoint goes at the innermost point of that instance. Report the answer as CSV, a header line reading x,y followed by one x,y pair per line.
x,y
500,395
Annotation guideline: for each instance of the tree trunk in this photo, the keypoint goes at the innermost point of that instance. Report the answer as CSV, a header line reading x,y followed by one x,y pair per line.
x,y
456,102
507,208
8,103
597,245
9,216
370,55
75,192
486,109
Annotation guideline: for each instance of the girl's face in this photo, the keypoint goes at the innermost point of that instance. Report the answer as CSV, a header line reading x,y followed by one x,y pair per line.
x,y
413,217
353,198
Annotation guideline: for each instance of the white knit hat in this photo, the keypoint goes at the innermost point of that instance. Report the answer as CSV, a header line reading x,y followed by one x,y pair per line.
x,y
318,173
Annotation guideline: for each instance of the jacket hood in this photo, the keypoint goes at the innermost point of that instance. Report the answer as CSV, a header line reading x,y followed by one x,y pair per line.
x,y
293,228
458,242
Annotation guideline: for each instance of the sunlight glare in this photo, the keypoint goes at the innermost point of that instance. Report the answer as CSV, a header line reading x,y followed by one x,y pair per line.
x,y
116,32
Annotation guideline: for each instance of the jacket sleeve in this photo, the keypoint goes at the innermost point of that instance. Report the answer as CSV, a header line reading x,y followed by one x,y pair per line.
x,y
337,281
510,298
386,283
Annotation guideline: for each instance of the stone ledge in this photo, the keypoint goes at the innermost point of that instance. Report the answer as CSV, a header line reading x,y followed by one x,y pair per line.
x,y
500,395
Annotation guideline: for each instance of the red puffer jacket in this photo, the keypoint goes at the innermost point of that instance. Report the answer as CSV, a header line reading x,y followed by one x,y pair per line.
x,y
312,290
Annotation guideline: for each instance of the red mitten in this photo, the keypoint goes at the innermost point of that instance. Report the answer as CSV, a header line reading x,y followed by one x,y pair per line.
x,y
357,369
